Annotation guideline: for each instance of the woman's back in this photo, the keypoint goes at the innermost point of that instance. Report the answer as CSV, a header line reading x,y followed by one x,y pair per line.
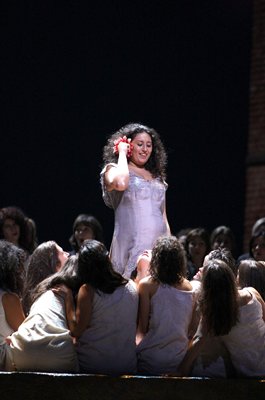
x,y
42,342
246,340
107,346
166,341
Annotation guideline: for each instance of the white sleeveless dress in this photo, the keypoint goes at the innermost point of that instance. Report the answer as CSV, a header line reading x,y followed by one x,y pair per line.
x,y
108,344
166,342
246,340
43,342
138,219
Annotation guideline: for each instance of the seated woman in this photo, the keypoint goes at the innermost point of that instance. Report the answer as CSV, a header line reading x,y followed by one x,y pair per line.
x,y
105,318
166,308
47,259
43,341
234,315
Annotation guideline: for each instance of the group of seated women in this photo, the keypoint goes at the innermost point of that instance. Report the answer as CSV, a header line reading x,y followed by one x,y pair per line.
x,y
75,313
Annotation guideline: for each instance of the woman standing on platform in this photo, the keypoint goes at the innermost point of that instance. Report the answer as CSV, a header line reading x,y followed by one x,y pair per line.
x,y
133,184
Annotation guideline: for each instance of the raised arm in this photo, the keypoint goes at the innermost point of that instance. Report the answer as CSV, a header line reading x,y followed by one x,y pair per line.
x,y
117,178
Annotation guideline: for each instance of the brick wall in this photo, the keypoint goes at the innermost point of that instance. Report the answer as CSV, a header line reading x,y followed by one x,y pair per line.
x,y
255,171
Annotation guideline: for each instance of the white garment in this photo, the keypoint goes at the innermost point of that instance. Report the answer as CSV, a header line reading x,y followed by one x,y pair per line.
x,y
108,345
246,340
43,341
5,331
166,342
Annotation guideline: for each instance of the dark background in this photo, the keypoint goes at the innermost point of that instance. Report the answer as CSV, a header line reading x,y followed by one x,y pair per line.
x,y
74,72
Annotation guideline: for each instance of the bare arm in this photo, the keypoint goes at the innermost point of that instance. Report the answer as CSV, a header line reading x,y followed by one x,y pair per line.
x,y
117,178
195,319
144,308
192,353
166,220
77,318
260,299
142,265
13,310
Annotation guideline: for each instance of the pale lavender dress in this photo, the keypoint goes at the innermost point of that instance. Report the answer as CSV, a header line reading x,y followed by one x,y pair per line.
x,y
138,219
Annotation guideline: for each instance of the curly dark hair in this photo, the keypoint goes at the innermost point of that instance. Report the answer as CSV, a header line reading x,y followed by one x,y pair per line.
x,y
219,298
95,267
12,260
168,263
158,159
17,215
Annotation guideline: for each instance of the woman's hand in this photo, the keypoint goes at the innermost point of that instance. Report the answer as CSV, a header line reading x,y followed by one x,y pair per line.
x,y
62,290
123,145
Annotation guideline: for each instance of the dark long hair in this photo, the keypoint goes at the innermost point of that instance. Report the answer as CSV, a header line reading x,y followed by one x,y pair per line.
x,y
158,159
95,267
168,263
219,298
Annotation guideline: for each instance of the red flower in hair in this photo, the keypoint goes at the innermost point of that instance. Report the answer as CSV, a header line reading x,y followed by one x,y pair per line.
x,y
123,139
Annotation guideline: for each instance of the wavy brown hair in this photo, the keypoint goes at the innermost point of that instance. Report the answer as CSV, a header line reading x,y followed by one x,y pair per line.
x,y
251,273
158,159
44,262
219,298
168,263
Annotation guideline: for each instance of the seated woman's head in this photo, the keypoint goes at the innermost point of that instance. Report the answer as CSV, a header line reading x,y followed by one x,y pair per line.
x,y
251,273
257,246
47,259
222,254
85,227
95,267
168,262
13,226
197,244
222,236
